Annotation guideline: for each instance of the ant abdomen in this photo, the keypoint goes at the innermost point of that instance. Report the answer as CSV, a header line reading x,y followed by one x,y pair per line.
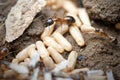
x,y
3,52
49,22
69,19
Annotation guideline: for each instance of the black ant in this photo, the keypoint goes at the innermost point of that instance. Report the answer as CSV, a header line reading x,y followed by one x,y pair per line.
x,y
68,19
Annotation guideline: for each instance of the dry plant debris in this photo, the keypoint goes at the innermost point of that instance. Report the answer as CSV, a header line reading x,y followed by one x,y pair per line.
x,y
43,60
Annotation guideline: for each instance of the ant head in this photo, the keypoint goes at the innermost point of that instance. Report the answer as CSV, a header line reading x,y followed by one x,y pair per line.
x,y
49,22
69,19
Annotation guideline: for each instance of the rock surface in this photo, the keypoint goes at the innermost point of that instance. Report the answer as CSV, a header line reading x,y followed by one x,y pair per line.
x,y
106,10
20,17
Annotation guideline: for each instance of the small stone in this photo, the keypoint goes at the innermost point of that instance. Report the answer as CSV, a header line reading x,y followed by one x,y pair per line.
x,y
80,57
20,17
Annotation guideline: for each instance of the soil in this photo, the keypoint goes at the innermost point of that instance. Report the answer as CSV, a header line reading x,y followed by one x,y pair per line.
x,y
99,52
106,10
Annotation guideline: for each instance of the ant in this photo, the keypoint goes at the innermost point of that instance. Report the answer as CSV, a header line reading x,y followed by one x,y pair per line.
x,y
102,33
68,19
3,52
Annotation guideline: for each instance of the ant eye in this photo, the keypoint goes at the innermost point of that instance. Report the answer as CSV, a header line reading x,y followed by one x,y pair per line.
x,y
69,19
49,22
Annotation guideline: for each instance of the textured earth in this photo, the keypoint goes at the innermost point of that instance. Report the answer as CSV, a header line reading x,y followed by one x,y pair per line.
x,y
99,52
106,10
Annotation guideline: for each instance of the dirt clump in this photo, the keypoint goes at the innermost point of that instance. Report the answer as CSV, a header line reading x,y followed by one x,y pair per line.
x,y
106,10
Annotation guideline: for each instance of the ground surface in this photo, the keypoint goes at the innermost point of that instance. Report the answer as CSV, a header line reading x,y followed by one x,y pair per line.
x,y
106,10
99,52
